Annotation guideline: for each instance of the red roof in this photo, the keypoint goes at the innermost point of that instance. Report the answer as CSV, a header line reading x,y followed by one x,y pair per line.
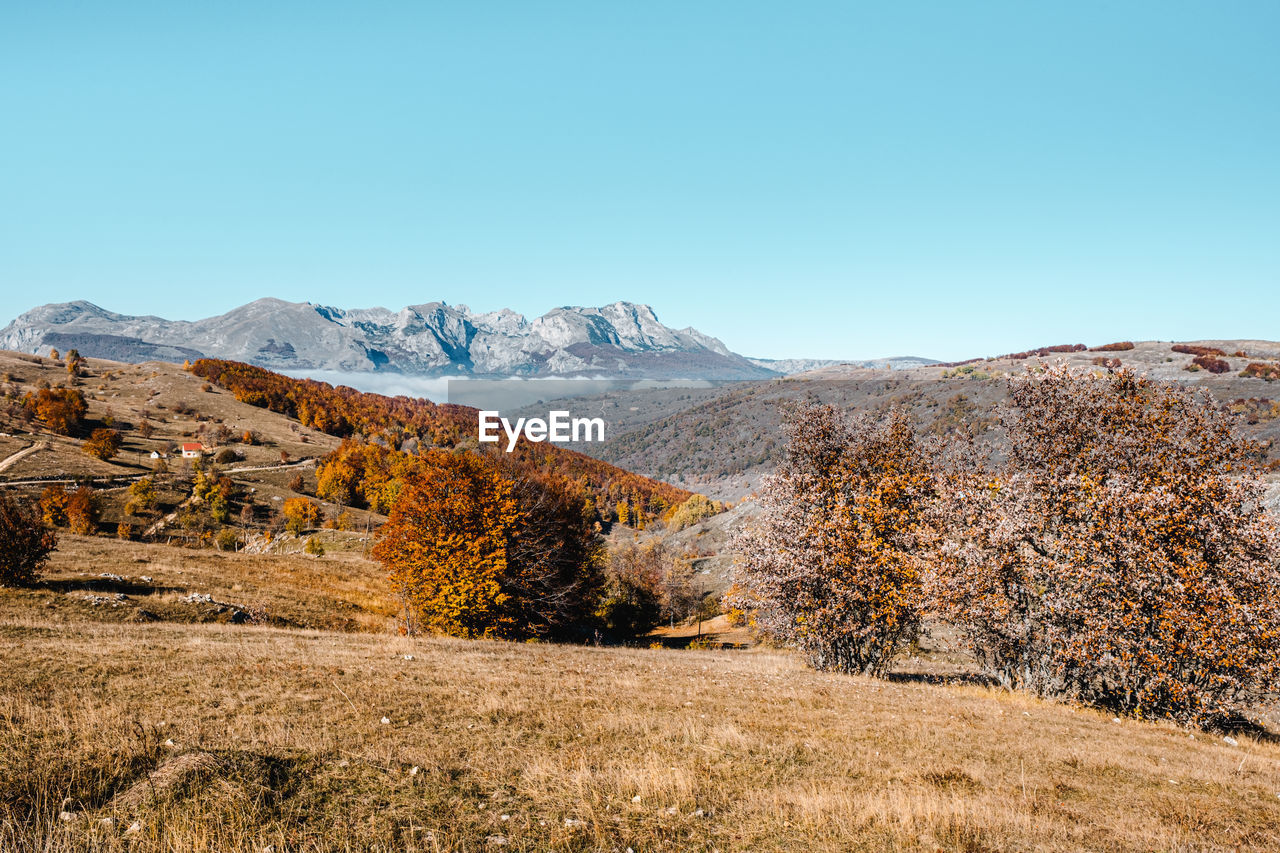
x,y
193,446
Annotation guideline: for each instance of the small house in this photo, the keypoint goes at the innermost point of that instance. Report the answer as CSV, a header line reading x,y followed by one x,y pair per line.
x,y
192,450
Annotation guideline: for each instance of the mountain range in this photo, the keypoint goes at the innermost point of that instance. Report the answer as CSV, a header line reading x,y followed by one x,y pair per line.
x,y
623,340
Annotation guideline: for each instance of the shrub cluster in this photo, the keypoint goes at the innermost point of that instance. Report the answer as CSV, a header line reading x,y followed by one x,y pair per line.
x,y
1211,364
1118,346
1261,370
1195,349
1117,554
1043,351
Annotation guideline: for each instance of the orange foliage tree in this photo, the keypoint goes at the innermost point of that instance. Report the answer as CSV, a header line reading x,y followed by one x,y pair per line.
x,y
835,564
82,511
102,444
300,513
1120,555
60,409
475,549
53,506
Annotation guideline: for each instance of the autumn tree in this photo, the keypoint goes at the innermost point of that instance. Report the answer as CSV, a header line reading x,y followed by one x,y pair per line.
x,y
142,497
631,604
300,514
1120,555
53,506
692,511
476,550
74,363
678,592
60,409
103,444
835,563
82,511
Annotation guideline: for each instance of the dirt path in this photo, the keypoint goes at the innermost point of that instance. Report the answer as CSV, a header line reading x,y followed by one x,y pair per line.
x,y
300,464
125,478
15,458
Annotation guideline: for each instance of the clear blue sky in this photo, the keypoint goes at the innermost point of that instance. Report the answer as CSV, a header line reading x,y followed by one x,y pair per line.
x,y
800,179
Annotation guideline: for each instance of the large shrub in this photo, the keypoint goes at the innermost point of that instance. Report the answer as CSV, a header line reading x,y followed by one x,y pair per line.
x,y
25,542
1120,555
834,564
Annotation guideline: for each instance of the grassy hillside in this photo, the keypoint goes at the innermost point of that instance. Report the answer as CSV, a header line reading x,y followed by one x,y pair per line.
x,y
224,737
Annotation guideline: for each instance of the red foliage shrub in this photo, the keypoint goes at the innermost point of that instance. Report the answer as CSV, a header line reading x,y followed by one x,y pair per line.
x,y
1261,370
1194,349
61,409
1118,346
1043,351
1211,364
1109,363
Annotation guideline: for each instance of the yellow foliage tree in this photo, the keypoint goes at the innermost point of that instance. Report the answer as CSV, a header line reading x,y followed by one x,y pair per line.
x,y
300,513
445,545
475,548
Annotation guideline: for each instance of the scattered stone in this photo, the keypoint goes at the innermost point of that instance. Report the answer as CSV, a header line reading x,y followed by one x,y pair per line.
x,y
1230,741
572,823
113,600
134,827
386,721
409,657
496,840
66,816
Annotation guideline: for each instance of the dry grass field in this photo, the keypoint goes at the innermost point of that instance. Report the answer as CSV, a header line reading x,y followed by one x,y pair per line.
x,y
169,735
